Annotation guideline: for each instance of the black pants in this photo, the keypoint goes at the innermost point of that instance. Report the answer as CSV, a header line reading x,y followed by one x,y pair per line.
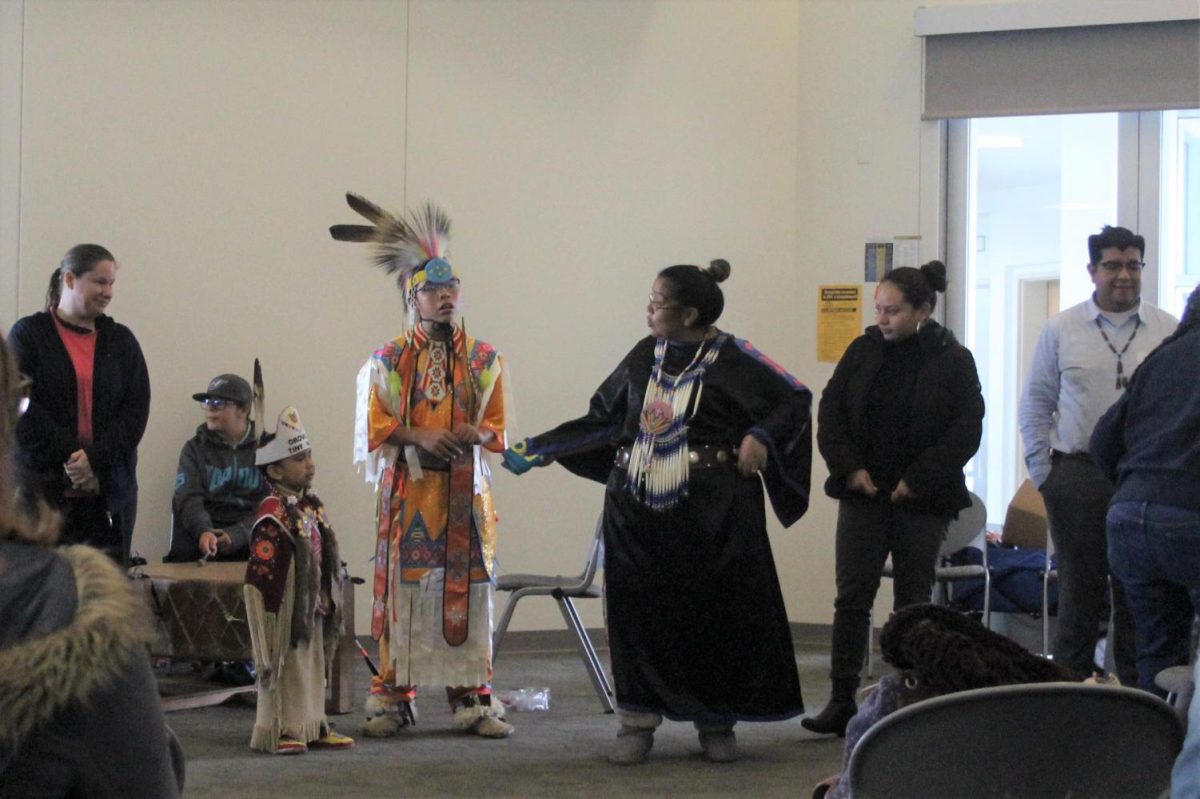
x,y
87,520
866,533
1077,495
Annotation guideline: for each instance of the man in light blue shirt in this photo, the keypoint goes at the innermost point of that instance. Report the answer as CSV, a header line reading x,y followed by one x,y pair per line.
x,y
1081,366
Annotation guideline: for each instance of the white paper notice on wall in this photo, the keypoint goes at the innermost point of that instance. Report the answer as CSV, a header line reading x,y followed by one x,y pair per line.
x,y
906,251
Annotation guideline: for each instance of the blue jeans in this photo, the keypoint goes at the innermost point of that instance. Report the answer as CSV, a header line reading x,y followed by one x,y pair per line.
x,y
1155,551
1185,777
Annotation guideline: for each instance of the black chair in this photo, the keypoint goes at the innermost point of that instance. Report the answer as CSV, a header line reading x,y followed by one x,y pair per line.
x,y
564,589
1050,740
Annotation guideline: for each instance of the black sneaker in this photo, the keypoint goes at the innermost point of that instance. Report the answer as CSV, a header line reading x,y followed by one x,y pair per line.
x,y
234,672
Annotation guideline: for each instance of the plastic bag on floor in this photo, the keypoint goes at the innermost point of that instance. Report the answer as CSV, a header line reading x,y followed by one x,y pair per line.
x,y
524,699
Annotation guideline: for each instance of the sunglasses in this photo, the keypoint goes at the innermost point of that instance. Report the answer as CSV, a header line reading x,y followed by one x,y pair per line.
x,y
215,403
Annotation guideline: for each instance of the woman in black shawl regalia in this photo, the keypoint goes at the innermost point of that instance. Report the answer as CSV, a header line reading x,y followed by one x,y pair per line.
x,y
680,433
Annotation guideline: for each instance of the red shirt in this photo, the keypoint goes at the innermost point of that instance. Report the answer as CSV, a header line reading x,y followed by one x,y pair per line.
x,y
81,346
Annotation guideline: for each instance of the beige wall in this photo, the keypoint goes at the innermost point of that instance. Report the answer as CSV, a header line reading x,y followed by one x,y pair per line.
x,y
580,146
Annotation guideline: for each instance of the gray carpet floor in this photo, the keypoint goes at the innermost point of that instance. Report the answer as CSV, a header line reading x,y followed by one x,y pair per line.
x,y
554,753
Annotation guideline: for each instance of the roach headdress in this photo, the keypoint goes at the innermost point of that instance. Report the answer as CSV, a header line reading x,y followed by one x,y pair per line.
x,y
411,247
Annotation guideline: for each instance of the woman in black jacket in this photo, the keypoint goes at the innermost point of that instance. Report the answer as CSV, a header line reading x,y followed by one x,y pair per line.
x,y
901,416
90,399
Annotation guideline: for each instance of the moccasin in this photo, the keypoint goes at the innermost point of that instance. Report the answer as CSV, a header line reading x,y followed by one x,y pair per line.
x,y
333,740
632,746
719,747
290,746
490,727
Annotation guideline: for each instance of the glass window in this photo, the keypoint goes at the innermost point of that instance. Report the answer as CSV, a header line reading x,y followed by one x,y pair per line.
x,y
1025,193
1180,184
1037,188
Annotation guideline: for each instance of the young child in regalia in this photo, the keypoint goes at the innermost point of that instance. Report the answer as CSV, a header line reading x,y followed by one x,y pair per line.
x,y
293,584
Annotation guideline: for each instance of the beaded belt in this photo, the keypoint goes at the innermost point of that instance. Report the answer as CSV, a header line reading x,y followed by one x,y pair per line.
x,y
701,456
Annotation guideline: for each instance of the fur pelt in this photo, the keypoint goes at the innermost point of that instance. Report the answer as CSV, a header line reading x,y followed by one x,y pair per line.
x,y
29,520
309,586
41,677
949,651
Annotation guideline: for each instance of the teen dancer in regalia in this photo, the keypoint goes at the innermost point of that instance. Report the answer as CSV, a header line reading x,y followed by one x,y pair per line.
x,y
429,402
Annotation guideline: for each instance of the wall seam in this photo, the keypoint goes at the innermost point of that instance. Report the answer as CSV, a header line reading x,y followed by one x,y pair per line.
x,y
407,78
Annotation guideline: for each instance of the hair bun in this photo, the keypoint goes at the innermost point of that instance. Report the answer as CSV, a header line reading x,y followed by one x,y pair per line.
x,y
718,270
935,273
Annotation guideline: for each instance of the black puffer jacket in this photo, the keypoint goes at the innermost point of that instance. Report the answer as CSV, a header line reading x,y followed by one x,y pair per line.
x,y
949,418
81,715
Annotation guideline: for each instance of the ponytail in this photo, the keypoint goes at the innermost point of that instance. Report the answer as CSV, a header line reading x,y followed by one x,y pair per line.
x,y
79,260
54,291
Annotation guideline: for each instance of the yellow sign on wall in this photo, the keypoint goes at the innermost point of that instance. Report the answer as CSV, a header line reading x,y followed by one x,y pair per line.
x,y
839,320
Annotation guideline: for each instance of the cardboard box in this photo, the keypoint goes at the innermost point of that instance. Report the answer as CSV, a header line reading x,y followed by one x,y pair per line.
x,y
1025,522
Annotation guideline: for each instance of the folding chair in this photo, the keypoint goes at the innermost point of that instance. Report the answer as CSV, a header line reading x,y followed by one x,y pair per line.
x,y
1050,740
1049,575
564,589
959,535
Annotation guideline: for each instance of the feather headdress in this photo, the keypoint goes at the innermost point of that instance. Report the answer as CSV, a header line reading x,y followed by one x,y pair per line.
x,y
404,245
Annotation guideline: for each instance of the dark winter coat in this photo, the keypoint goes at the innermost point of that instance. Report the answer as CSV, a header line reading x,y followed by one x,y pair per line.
x,y
81,715
1148,443
947,419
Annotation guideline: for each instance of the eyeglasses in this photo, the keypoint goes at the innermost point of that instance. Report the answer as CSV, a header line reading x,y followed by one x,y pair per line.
x,y
1115,267
453,286
215,403
662,306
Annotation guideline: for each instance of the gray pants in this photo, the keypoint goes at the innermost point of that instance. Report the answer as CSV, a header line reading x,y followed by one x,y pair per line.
x,y
1077,495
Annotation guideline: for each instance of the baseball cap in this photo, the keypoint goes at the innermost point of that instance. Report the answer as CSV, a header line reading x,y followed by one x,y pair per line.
x,y
227,387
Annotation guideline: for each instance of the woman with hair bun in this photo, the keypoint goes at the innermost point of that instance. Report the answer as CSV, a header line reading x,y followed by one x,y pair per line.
x,y
897,422
680,433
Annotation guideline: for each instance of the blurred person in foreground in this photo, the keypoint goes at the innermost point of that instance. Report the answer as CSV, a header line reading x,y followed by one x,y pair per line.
x,y
81,715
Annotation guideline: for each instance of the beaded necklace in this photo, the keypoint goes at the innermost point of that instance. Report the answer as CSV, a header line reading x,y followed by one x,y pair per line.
x,y
658,461
1122,380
